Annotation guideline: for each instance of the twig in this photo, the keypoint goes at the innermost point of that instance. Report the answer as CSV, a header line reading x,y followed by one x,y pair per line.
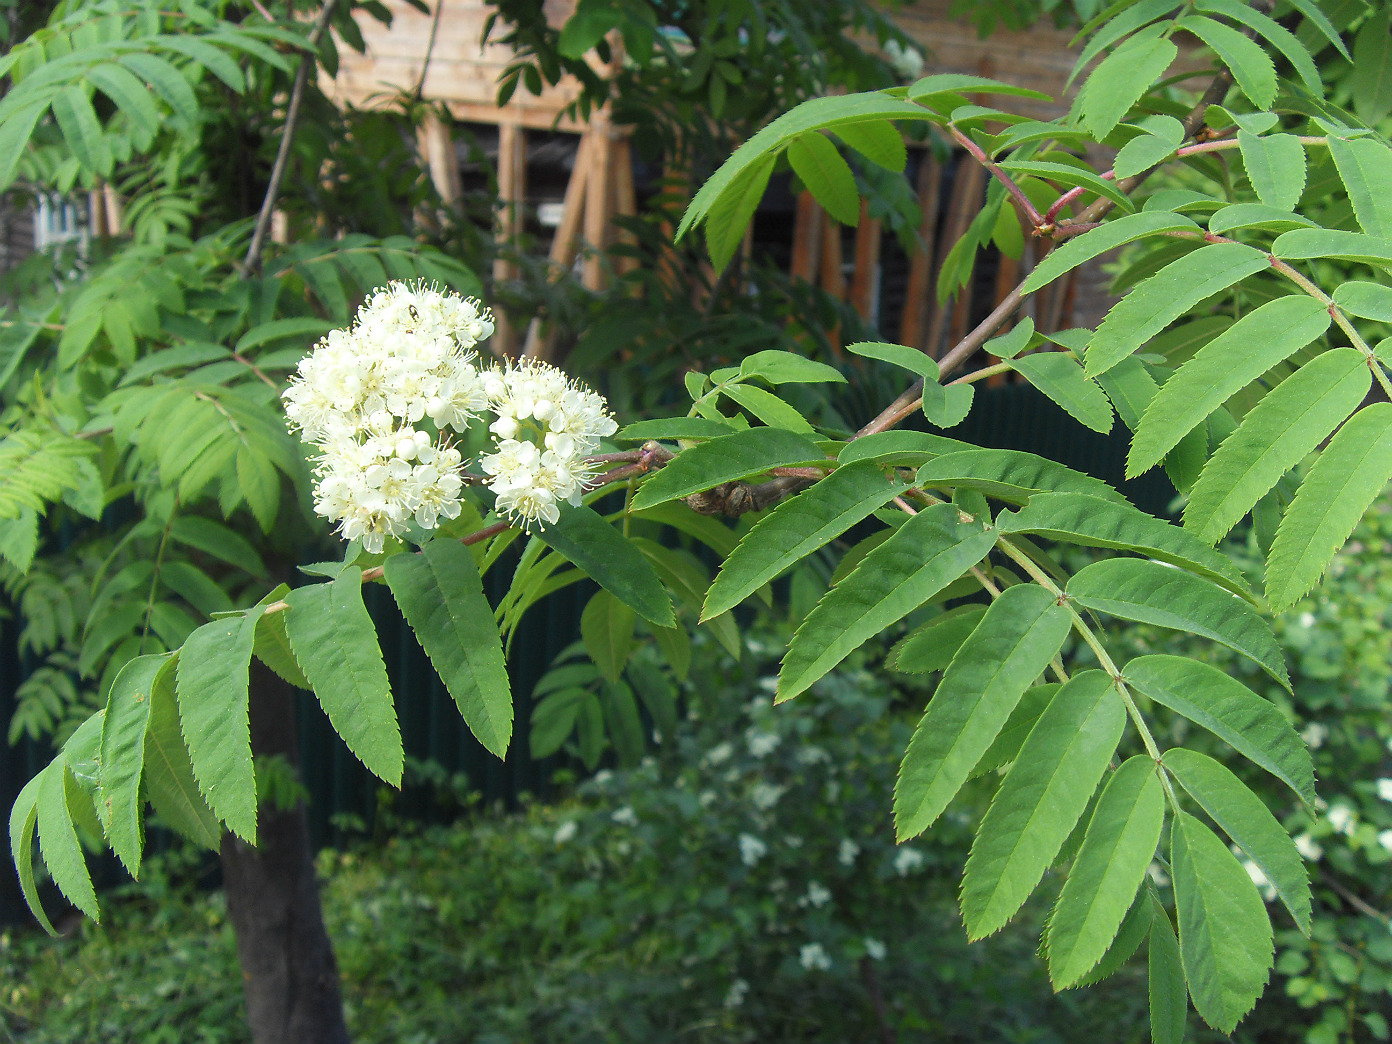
x,y
1023,202
429,49
252,262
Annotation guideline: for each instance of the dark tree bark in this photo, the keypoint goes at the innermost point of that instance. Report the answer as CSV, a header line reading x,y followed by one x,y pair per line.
x,y
289,974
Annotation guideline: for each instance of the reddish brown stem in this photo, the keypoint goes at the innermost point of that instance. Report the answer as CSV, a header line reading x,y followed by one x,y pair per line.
x,y
1021,200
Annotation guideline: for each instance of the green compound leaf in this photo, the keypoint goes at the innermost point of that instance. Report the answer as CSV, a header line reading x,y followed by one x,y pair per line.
x,y
1255,215
24,818
1041,799
1148,592
55,797
1164,135
1275,166
1274,33
1169,1004
797,527
673,428
1231,711
273,644
441,596
1012,645
779,367
336,645
816,161
123,755
1006,746
1082,519
726,459
931,646
880,142
211,683
922,556
1245,818
1250,65
1224,366
912,359
1365,167
1372,69
585,539
1156,302
730,215
1009,475
1288,423
1224,932
1348,476
1117,849
1062,380
1121,79
1098,241
899,448
169,782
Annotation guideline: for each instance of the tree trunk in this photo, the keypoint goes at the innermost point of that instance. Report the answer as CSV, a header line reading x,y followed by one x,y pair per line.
x,y
289,974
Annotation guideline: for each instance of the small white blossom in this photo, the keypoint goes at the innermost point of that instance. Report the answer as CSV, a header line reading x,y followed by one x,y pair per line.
x,y
874,949
765,795
1307,848
1314,735
566,832
1342,819
814,957
1306,620
1258,878
907,62
846,854
812,755
1384,838
907,860
1157,874
706,798
603,776
625,816
818,895
720,752
734,997
751,849
1384,789
761,744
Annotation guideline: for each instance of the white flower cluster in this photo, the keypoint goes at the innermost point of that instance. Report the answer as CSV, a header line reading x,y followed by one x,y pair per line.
x,y
362,398
547,424
380,400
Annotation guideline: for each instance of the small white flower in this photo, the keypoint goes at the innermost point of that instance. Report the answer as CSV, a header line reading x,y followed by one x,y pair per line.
x,y
812,755
706,798
625,816
907,860
846,854
907,62
1314,735
603,776
1306,620
1157,874
1384,838
1384,789
818,895
1342,819
734,997
874,949
720,752
761,744
814,957
566,832
765,795
1258,878
1307,848
751,849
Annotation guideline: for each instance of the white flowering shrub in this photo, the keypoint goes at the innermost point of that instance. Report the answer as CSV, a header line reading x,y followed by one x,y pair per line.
x,y
1260,407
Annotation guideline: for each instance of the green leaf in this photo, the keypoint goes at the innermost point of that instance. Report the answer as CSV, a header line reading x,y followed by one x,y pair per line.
x,y
1224,932
1231,711
1148,592
726,459
166,81
922,556
947,406
797,527
1081,249
218,541
816,161
1006,746
1276,434
1365,166
1169,1004
24,817
1009,475
1348,476
123,755
779,367
1372,69
1255,215
912,359
1164,135
1121,79
335,644
879,141
1224,366
730,215
1276,167
169,781
586,540
1041,799
1156,302
58,843
1117,849
931,646
1020,633
1134,928
1067,174
673,428
1311,10
1062,380
1245,818
930,87
211,683
273,645
1366,300
1301,244
441,595
767,407
899,448
1011,344
1083,519
131,96
606,626
81,130
1251,66
1274,33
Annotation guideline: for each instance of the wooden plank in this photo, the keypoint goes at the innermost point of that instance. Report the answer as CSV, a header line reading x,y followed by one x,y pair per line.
x,y
865,276
512,193
437,146
918,293
832,278
807,238
566,243
597,202
624,202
